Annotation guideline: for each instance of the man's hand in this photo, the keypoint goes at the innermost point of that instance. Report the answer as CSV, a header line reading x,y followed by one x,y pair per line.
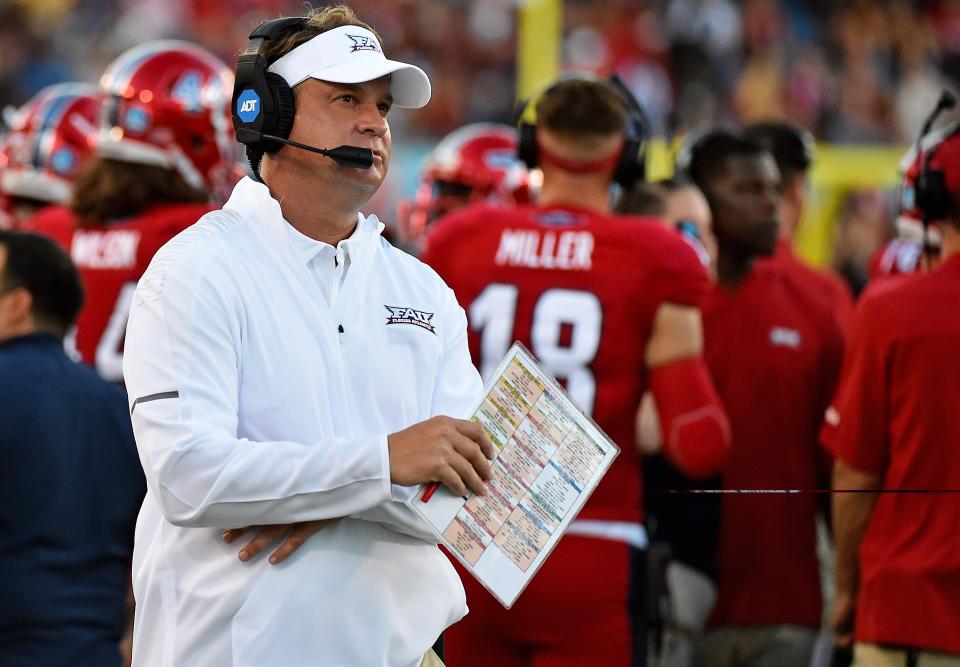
x,y
841,618
296,534
454,452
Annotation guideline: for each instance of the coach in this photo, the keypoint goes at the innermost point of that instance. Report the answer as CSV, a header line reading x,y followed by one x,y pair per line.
x,y
287,366
70,484
894,426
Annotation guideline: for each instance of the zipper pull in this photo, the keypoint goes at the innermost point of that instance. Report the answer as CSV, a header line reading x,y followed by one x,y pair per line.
x,y
340,331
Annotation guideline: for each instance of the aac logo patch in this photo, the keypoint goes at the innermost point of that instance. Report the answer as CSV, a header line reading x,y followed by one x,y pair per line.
x,y
404,315
248,105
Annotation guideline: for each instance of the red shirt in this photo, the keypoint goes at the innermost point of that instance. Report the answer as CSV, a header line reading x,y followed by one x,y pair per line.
x,y
580,290
111,259
897,417
825,285
774,354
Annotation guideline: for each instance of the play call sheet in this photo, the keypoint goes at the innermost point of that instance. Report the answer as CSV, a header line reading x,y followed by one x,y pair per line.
x,y
550,457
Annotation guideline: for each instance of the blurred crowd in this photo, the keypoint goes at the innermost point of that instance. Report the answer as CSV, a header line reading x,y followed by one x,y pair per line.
x,y
850,72
859,71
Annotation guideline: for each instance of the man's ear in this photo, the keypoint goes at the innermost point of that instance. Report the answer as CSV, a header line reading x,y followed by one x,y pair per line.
x,y
19,304
796,190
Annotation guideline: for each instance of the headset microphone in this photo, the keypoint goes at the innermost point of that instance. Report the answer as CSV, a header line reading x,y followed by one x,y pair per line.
x,y
946,101
345,156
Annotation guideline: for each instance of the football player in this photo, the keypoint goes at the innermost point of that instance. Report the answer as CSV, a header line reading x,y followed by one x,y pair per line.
x,y
474,163
609,304
49,140
164,153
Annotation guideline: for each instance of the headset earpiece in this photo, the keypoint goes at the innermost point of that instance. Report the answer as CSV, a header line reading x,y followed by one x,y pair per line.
x,y
631,167
933,198
527,144
930,189
280,122
263,102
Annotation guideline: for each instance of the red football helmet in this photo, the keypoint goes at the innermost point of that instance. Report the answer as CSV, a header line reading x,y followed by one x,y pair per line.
x,y
473,163
49,137
900,256
167,103
939,152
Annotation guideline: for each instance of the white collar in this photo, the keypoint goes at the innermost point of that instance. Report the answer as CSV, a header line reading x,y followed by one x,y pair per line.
x,y
251,199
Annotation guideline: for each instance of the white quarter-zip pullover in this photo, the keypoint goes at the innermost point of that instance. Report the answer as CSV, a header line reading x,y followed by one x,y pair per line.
x,y
259,398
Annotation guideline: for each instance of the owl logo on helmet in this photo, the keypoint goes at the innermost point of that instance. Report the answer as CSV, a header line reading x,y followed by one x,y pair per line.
x,y
477,162
167,104
48,140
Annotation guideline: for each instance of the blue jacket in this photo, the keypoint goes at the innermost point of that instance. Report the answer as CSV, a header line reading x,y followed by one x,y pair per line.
x,y
70,489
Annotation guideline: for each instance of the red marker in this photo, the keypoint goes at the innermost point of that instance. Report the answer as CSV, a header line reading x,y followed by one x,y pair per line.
x,y
428,494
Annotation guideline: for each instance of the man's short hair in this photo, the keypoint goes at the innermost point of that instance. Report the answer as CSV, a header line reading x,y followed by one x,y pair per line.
x,y
318,22
709,156
791,146
582,107
642,199
40,266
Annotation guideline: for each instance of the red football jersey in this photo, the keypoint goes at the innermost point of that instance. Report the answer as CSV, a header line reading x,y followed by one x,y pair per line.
x,y
580,290
111,259
896,416
774,354
829,288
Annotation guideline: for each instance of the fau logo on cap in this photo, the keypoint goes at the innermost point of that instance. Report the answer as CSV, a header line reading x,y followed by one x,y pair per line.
x,y
363,43
404,315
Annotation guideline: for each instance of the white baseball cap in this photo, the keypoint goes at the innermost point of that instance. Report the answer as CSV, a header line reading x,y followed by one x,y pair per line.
x,y
352,54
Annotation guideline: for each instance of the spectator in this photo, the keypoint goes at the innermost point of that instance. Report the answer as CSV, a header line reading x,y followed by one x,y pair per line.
x,y
773,352
70,485
895,428
609,304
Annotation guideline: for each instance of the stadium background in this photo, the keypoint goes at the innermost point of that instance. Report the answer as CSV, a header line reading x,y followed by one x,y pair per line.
x,y
859,74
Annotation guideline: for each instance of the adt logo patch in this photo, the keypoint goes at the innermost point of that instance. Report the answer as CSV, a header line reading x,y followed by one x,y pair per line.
x,y
405,315
248,105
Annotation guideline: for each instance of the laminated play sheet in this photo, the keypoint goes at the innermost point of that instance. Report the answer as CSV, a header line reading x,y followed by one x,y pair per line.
x,y
549,459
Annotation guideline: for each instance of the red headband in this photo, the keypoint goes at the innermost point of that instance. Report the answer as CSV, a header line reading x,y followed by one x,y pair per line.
x,y
579,166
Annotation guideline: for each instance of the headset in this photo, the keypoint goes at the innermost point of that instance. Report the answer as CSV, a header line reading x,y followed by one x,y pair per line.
x,y
631,164
932,196
264,106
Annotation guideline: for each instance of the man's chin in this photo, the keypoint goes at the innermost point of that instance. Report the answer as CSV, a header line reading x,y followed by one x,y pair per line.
x,y
361,179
